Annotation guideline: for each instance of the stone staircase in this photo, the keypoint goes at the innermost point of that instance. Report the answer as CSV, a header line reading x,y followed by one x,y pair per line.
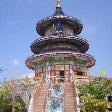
x,y
70,98
40,98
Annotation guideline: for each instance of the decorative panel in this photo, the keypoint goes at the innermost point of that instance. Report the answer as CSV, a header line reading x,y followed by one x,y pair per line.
x,y
61,67
57,72
55,106
57,91
40,75
52,67
57,67
66,67
66,72
52,73
40,70
55,101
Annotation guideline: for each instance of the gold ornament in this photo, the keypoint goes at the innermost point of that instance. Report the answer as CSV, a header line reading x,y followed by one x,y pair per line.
x,y
58,3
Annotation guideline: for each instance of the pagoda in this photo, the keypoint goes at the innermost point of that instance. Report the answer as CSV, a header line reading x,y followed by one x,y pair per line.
x,y
60,63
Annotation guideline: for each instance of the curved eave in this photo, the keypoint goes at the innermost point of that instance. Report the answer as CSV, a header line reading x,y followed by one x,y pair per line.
x,y
34,58
80,43
71,21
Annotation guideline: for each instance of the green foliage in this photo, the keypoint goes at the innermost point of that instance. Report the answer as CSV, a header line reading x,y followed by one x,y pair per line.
x,y
6,102
93,95
22,105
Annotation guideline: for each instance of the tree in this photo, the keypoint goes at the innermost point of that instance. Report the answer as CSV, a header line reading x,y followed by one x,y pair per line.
x,y
93,95
22,108
6,102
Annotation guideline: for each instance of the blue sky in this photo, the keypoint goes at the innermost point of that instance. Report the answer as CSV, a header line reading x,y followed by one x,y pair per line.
x,y
18,19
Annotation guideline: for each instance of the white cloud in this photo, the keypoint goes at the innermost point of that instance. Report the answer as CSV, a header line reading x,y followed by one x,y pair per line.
x,y
15,62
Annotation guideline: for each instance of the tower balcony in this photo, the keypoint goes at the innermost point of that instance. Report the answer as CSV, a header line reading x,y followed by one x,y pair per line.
x,y
55,43
65,57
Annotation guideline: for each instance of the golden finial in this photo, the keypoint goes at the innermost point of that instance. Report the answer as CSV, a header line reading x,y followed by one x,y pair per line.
x,y
58,3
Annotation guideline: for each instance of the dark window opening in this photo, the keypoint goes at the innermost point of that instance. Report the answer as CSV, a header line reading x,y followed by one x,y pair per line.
x,y
109,98
109,109
62,76
80,73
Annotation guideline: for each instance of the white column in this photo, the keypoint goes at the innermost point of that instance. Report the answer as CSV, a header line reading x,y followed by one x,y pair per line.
x,y
71,71
30,109
47,72
78,100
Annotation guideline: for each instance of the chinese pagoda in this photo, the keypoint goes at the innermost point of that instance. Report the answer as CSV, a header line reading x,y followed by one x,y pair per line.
x,y
60,63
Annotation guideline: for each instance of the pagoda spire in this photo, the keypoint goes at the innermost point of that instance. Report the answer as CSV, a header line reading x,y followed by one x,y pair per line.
x,y
58,3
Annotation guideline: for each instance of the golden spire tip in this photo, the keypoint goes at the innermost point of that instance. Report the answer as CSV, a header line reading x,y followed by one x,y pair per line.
x,y
58,3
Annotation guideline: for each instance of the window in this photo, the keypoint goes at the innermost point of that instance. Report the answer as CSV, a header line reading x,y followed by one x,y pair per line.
x,y
80,73
58,26
62,76
109,97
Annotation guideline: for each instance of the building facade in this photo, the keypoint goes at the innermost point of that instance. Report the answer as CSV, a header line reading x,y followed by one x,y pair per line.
x,y
60,63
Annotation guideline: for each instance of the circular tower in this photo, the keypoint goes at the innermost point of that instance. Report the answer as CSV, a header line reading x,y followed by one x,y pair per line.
x,y
60,62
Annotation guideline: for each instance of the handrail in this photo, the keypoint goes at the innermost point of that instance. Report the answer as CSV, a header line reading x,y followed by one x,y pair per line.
x,y
45,102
